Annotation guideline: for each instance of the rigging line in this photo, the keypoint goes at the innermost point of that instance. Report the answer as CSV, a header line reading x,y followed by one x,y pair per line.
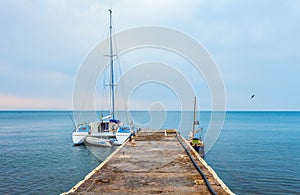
x,y
71,117
105,101
102,79
98,78
102,88
103,92
121,81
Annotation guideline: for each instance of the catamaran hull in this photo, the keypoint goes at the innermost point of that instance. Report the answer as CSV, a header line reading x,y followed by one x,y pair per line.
x,y
121,138
78,138
97,141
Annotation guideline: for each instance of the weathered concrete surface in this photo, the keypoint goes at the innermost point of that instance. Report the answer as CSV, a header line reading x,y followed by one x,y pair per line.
x,y
156,164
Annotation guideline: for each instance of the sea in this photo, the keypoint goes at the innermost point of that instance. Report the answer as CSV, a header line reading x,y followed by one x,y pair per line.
x,y
256,152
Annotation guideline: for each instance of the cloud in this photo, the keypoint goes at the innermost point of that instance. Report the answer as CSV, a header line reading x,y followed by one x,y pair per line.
x,y
42,43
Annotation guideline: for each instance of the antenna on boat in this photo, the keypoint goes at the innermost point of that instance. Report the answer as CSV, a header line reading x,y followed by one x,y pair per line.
x,y
112,85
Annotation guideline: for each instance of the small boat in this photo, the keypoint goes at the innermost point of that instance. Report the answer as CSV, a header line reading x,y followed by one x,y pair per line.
x,y
196,143
108,131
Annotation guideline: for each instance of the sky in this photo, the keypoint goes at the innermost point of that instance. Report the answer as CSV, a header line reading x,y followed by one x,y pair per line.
x,y
255,45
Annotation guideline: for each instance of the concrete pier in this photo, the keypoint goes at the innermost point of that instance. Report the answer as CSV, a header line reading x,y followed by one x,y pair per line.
x,y
155,163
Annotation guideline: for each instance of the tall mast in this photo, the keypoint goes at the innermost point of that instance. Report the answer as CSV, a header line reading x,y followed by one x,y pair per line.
x,y
112,85
194,120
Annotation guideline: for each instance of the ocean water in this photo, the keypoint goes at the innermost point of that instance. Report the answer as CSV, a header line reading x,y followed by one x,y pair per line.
x,y
259,153
256,153
36,153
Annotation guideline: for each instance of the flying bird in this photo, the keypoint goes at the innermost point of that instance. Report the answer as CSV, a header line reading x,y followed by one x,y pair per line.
x,y
252,96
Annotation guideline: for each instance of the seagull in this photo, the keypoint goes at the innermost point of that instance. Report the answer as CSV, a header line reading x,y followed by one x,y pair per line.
x,y
252,96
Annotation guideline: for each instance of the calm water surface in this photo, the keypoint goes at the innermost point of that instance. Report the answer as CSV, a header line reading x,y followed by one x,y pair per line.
x,y
257,152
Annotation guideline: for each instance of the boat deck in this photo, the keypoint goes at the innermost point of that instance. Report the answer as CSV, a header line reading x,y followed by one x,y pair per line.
x,y
153,164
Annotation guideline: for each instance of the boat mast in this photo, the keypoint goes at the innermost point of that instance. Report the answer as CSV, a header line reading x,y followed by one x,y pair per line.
x,y
112,85
194,120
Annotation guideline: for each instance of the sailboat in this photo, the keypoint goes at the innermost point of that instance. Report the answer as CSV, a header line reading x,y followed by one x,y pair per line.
x,y
196,143
109,130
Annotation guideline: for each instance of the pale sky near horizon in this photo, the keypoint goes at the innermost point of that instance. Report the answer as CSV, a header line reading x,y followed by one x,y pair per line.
x,y
255,44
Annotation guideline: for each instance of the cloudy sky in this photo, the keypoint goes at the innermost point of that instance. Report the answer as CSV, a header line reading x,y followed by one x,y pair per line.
x,y
255,44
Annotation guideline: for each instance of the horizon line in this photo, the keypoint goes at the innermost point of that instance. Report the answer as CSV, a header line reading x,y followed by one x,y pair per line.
x,y
70,110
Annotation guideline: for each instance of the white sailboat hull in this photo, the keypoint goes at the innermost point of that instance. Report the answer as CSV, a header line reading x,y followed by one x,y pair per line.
x,y
116,138
97,141
78,137
121,138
